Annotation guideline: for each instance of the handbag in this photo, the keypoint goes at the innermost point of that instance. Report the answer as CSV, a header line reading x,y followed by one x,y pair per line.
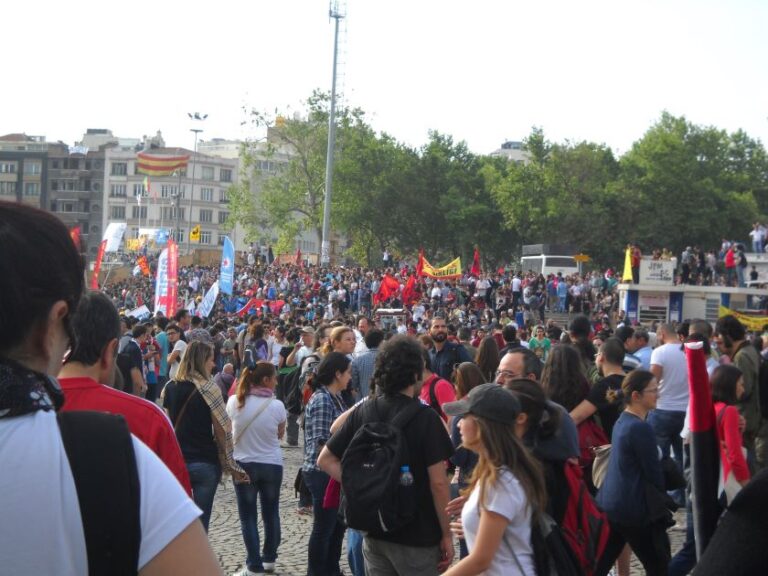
x,y
258,413
600,464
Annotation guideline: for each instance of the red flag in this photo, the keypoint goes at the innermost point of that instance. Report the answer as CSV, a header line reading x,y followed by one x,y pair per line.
x,y
420,263
144,265
475,270
74,233
139,300
410,295
389,287
97,265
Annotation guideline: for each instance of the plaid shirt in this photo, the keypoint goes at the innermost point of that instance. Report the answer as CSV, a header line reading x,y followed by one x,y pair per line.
x,y
323,408
362,372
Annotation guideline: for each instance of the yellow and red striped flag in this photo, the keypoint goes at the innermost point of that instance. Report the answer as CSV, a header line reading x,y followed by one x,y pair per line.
x,y
157,165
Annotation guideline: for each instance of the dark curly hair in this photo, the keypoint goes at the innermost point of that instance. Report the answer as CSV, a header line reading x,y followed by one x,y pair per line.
x,y
399,364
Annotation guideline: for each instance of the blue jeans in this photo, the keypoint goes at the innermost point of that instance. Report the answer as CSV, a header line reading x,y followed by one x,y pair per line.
x,y
205,477
265,484
667,425
355,552
324,550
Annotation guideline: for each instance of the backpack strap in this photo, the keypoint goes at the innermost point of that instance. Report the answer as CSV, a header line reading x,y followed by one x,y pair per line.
x,y
432,384
100,451
404,417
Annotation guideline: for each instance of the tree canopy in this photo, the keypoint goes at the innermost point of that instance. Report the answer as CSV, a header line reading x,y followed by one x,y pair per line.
x,y
680,184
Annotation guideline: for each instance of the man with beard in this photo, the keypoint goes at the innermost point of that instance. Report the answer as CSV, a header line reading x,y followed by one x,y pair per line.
x,y
444,355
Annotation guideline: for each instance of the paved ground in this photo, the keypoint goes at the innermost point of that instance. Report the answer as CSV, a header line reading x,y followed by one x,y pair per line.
x,y
227,540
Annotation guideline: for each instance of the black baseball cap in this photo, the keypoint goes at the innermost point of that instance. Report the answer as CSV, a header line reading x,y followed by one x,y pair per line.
x,y
489,401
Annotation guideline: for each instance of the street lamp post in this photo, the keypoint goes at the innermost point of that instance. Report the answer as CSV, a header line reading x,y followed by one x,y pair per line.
x,y
200,117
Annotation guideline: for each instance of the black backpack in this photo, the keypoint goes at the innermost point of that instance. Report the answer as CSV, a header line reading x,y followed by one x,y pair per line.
x,y
375,501
100,451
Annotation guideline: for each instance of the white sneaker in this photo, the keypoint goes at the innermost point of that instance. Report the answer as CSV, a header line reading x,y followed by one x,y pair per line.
x,y
269,567
246,572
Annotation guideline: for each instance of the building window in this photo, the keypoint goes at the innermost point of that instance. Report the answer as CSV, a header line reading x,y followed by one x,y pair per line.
x,y
139,190
206,216
7,188
119,168
54,185
223,217
32,167
169,213
117,191
134,232
139,212
221,239
207,173
67,207
31,188
54,164
7,167
206,194
223,196
117,212
225,175
205,237
178,236
170,191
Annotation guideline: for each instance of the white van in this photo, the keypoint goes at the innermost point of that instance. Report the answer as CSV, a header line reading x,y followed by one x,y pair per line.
x,y
547,264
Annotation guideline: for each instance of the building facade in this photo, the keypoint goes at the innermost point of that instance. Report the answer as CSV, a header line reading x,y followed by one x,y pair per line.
x,y
178,203
23,169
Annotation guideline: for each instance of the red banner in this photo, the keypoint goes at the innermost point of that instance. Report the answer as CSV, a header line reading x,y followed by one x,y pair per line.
x,y
159,165
97,265
389,287
173,278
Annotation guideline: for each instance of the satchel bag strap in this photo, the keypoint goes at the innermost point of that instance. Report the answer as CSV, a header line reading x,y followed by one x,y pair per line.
x,y
258,413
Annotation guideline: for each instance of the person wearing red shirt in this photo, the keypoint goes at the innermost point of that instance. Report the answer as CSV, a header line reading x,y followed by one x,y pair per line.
x,y
96,327
443,390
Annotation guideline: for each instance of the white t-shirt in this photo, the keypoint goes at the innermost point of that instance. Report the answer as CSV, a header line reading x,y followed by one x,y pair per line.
x,y
259,442
41,530
673,387
179,347
506,498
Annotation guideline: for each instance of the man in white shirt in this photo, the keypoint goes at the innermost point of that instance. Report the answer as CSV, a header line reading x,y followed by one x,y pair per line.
x,y
670,367
178,346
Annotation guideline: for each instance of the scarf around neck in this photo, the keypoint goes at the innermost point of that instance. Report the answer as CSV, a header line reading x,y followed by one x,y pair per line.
x,y
24,391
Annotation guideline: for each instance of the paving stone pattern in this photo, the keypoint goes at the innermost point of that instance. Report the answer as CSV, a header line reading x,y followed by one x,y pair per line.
x,y
227,541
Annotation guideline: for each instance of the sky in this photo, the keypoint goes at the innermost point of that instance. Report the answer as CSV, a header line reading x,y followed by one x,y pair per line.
x,y
483,72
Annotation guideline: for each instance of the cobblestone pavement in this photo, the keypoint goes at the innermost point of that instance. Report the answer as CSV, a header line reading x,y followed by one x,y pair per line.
x,y
227,541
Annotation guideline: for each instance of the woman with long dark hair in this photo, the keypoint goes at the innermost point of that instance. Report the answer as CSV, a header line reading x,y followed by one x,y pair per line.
x,y
44,527
487,358
326,404
258,424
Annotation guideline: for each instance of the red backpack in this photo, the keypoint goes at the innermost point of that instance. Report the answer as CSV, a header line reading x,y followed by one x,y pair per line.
x,y
584,526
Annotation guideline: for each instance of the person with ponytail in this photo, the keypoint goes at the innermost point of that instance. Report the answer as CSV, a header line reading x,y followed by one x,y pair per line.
x,y
506,492
634,482
258,425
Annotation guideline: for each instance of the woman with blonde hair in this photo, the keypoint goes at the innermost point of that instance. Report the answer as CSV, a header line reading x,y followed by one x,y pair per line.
x,y
506,493
342,340
195,406
258,424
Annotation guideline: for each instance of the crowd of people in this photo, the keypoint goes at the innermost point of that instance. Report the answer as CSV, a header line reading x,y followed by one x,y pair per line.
x,y
475,418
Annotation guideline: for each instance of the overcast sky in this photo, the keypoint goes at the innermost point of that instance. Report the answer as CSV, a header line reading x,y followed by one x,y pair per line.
x,y
483,71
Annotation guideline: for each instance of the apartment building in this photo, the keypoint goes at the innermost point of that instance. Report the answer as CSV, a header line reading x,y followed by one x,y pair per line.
x,y
178,203
23,169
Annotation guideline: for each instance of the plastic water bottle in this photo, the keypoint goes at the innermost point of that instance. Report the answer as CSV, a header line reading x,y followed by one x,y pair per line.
x,y
406,478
